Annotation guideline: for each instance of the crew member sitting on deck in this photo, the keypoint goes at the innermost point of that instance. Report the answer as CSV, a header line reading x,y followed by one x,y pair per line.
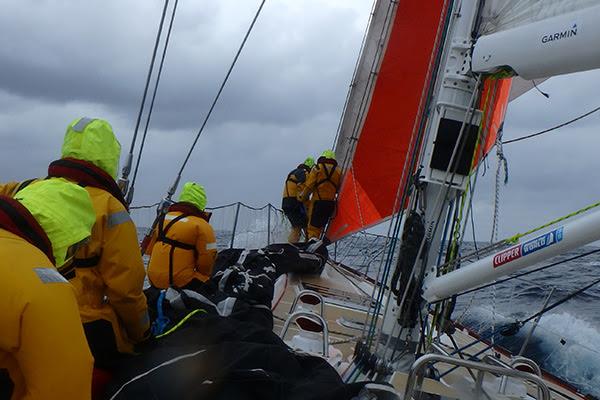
x,y
109,272
183,247
294,209
43,350
321,185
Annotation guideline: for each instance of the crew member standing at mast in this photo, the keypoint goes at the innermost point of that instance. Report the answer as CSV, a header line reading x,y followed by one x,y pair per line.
x,y
321,185
294,209
109,272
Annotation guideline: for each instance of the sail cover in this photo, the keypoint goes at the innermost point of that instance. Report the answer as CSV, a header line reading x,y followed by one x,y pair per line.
x,y
384,110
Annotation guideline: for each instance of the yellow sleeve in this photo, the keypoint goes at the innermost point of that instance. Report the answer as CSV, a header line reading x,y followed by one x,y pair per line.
x,y
151,240
8,189
53,355
206,246
309,185
123,272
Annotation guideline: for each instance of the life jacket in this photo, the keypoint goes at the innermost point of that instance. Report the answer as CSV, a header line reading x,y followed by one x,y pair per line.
x,y
86,174
16,219
186,210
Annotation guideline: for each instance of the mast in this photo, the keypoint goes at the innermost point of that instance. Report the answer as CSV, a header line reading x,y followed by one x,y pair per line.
x,y
450,140
552,46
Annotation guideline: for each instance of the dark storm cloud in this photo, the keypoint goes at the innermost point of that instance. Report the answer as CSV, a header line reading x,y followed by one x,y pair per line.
x,y
65,59
98,53
60,60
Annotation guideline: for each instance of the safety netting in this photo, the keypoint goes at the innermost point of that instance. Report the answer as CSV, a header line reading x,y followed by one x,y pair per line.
x,y
236,225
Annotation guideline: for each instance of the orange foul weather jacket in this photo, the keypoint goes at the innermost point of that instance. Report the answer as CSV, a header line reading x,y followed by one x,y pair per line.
x,y
183,248
42,344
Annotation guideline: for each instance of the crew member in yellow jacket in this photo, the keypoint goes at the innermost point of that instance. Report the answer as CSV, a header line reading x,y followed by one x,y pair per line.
x,y
295,210
321,185
108,272
43,349
183,247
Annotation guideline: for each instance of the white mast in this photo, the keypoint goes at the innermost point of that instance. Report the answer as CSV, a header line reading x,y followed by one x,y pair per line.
x,y
452,116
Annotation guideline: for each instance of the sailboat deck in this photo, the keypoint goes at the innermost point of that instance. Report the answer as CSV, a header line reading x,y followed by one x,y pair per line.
x,y
347,296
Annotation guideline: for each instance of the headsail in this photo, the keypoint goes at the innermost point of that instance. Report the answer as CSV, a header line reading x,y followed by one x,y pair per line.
x,y
500,15
384,110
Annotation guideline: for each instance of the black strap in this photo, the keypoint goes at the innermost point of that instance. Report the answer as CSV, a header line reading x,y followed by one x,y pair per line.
x,y
24,184
162,237
299,179
88,262
328,175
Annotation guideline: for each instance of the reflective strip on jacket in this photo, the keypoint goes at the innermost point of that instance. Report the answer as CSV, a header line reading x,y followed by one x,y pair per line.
x,y
110,273
187,264
42,344
318,183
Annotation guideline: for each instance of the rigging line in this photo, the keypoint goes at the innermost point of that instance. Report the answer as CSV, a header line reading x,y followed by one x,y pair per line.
x,y
145,206
515,238
561,301
553,128
416,140
150,69
524,273
370,82
216,99
417,135
439,202
158,75
482,136
362,46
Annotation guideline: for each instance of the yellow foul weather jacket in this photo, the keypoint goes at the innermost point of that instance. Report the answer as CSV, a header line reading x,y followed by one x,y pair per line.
x,y
193,258
110,273
322,182
42,344
43,348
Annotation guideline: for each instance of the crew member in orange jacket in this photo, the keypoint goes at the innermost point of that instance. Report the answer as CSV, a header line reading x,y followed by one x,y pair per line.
x,y
43,350
321,185
109,272
183,247
295,210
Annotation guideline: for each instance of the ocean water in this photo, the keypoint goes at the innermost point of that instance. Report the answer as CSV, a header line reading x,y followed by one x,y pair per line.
x,y
566,343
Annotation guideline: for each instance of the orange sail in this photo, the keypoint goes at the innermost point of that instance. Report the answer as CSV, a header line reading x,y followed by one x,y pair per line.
x,y
384,111
494,101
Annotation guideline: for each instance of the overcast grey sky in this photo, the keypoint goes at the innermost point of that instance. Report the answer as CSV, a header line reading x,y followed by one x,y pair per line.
x,y
63,59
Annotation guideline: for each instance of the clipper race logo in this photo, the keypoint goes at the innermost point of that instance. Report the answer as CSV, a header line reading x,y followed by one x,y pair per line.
x,y
521,250
560,35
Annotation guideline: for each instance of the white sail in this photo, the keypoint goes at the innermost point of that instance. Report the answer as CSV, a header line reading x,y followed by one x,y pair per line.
x,y
499,15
